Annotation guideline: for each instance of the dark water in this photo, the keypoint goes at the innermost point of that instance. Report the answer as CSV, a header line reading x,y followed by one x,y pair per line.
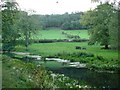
x,y
102,80
95,79
92,78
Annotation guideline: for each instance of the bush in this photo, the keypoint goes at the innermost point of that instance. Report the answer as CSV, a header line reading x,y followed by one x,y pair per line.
x,y
58,40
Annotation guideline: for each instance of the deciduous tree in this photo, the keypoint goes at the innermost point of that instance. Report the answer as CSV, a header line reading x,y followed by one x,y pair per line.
x,y
9,28
99,20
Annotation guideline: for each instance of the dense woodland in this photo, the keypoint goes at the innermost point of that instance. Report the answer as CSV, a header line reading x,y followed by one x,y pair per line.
x,y
65,21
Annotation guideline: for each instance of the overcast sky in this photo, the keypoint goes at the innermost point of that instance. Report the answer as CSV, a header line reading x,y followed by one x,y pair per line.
x,y
56,6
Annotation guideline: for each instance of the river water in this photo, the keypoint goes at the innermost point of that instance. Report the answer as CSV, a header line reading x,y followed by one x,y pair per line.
x,y
92,78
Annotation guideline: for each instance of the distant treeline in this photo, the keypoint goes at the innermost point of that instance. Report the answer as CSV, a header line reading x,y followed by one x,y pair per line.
x,y
65,21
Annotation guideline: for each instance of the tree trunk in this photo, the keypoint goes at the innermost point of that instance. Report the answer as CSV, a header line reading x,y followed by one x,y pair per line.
x,y
106,47
26,41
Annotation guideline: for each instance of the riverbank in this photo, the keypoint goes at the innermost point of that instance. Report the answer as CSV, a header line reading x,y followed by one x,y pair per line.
x,y
78,60
96,63
68,77
19,74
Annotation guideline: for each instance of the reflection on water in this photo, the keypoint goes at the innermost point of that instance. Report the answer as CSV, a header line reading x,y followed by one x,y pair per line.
x,y
99,80
92,78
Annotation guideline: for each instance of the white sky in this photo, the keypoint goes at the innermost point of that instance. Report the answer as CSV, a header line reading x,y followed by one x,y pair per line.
x,y
51,7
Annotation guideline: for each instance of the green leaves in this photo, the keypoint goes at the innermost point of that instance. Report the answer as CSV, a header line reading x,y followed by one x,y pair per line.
x,y
101,21
19,74
9,26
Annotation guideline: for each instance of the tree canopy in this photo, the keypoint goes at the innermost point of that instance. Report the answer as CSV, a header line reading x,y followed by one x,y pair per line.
x,y
102,21
16,24
9,29
64,21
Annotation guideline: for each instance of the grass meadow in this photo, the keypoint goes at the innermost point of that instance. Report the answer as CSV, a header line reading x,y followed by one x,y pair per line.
x,y
46,49
57,34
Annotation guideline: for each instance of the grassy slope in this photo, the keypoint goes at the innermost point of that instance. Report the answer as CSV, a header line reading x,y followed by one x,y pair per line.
x,y
57,34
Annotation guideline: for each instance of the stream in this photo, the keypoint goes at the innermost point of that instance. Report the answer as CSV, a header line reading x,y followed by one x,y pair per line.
x,y
79,72
92,78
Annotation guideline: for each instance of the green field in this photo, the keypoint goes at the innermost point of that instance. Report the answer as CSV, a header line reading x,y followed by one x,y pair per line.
x,y
51,49
47,49
81,33
57,34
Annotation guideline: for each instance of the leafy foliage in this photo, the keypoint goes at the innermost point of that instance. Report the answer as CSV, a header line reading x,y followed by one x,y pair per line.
x,y
30,26
18,74
101,21
114,29
65,21
9,28
13,27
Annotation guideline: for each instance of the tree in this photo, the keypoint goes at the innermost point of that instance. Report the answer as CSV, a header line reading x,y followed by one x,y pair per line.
x,y
114,23
95,0
9,28
61,21
119,27
13,27
99,20
11,5
0,30
29,26
104,1
114,27
87,19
